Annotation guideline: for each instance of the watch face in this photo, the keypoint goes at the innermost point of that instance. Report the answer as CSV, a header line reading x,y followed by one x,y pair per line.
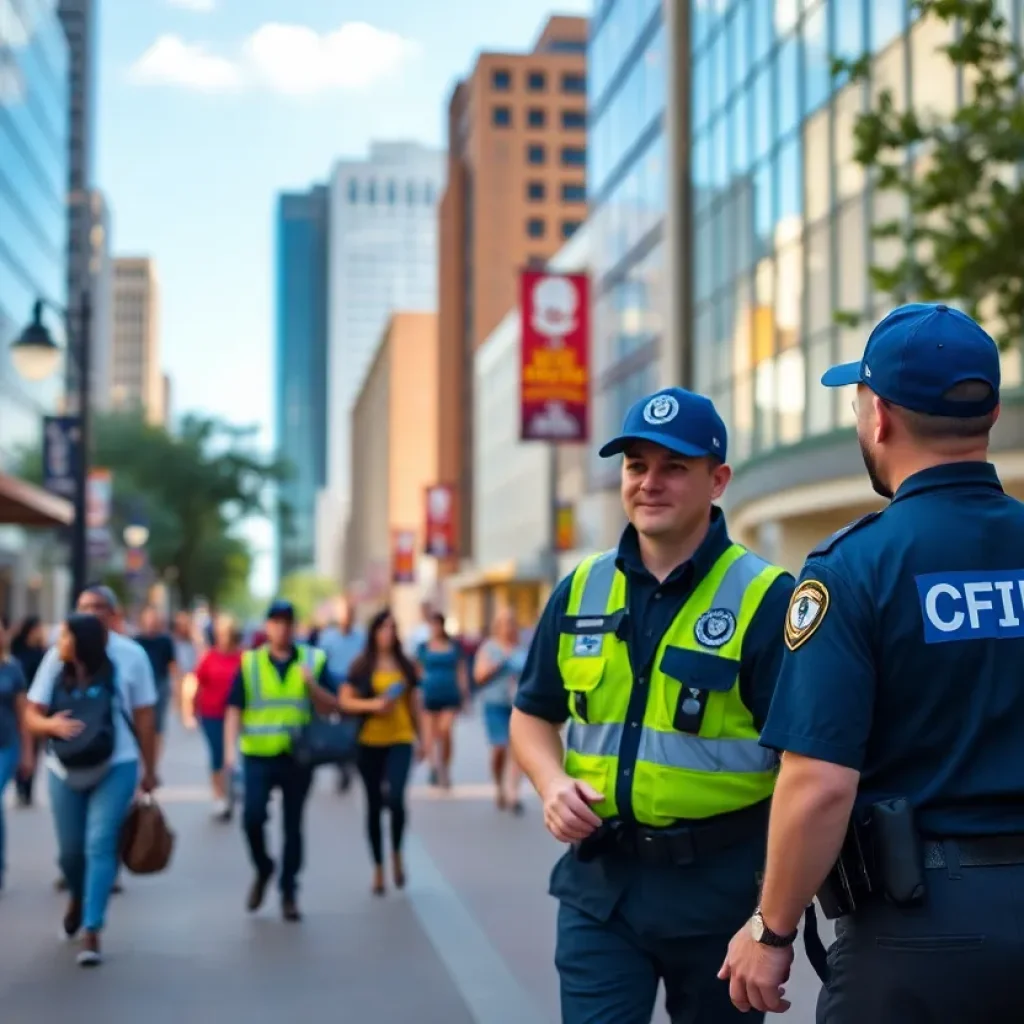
x,y
757,927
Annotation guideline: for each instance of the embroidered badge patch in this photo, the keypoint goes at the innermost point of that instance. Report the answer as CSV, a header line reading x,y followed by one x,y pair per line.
x,y
715,628
586,646
807,608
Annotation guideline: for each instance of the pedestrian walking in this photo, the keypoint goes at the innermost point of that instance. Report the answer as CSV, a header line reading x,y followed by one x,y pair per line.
x,y
498,665
342,641
16,745
900,709
662,655
383,685
215,676
99,722
274,694
445,690
160,649
28,645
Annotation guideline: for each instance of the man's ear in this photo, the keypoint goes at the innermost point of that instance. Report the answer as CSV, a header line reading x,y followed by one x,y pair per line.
x,y
721,474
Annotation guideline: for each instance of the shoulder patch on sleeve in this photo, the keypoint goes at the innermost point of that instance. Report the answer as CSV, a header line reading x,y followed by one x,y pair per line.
x,y
829,543
807,609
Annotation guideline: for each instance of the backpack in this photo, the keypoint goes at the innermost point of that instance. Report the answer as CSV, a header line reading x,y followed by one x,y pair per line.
x,y
93,706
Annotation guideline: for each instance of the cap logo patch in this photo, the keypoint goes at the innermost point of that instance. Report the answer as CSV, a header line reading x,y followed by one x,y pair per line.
x,y
661,409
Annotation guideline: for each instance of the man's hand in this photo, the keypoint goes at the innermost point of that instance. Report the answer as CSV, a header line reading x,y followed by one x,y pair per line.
x,y
149,781
62,726
27,763
756,973
567,813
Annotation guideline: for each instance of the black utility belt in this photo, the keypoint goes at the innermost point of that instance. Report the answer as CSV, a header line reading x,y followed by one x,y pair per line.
x,y
884,856
676,845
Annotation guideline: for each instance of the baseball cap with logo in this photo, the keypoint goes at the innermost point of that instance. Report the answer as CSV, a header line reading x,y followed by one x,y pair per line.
x,y
679,420
918,354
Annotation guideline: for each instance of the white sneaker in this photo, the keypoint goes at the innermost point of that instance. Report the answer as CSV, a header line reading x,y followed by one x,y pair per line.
x,y
89,958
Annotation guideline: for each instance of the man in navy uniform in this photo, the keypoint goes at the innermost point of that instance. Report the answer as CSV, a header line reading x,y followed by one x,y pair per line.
x,y
662,655
901,702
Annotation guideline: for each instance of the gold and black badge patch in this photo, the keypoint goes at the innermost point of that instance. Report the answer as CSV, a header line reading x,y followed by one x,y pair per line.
x,y
807,608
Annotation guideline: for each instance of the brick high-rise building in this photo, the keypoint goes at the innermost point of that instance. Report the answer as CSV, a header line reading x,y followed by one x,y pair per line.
x,y
516,191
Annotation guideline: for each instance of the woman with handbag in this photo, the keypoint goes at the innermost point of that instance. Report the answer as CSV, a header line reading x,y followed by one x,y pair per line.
x,y
382,685
86,715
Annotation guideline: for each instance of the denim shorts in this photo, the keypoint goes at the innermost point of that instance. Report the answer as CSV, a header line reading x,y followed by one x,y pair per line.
x,y
213,730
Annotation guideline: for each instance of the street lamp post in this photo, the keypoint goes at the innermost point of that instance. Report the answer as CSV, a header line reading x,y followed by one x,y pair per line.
x,y
36,356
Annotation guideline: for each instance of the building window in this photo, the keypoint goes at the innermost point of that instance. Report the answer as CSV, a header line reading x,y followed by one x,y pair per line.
x,y
501,117
574,156
501,81
371,193
536,81
410,193
575,84
567,46
535,154
535,227
535,190
574,119
392,193
569,228
574,192
353,190
536,117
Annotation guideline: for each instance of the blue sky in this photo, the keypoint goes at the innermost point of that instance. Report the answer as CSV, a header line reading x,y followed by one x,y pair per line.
x,y
208,108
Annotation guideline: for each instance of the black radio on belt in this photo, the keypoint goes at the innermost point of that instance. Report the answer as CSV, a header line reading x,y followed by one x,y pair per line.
x,y
882,855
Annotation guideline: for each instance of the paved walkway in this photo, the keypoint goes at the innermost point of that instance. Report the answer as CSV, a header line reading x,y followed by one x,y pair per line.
x,y
469,942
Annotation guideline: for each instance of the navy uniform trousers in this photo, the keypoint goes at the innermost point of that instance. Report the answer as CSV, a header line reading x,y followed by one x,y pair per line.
x,y
609,974
958,959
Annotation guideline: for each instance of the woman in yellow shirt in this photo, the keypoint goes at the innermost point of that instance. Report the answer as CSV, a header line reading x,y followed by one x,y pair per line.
x,y
382,685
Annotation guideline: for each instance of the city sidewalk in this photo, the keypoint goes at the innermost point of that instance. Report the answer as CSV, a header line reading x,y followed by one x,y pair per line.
x,y
470,941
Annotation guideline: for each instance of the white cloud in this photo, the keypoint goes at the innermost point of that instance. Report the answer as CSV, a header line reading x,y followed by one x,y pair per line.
x,y
203,6
296,60
290,59
172,61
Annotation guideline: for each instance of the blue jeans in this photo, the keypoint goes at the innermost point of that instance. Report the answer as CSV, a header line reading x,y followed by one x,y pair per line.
x,y
88,825
8,764
213,732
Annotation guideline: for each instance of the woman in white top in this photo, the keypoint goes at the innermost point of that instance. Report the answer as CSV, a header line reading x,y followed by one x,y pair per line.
x,y
90,804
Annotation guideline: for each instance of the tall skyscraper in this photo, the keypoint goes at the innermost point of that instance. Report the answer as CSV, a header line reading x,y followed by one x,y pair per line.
x,y
300,377
383,257
88,225
517,153
137,382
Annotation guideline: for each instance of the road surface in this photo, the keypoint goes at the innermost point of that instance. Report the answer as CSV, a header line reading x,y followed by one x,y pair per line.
x,y
470,941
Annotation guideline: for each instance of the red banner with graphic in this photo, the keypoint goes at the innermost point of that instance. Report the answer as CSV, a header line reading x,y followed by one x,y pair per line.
x,y
403,556
554,356
439,523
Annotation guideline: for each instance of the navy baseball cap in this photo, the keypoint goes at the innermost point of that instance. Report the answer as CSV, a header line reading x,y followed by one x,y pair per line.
x,y
280,609
917,354
679,420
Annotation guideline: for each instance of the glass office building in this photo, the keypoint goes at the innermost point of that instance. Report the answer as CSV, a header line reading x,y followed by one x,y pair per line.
x,y
628,189
782,215
33,210
300,377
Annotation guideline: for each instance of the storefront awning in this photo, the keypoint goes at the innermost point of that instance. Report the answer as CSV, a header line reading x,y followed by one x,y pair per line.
x,y
24,504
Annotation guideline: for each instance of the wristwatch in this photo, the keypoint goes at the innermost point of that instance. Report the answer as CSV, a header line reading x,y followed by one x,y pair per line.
x,y
763,934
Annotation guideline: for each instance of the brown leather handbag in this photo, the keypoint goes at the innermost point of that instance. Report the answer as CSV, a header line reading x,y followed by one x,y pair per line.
x,y
147,842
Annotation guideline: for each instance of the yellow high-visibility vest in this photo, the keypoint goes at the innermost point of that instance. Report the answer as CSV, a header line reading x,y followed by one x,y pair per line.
x,y
274,707
698,751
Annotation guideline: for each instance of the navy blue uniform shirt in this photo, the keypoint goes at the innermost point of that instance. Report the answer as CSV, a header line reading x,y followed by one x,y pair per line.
x,y
660,901
237,697
908,665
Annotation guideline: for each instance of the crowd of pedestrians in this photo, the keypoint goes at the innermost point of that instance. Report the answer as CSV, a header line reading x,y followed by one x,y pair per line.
x,y
84,708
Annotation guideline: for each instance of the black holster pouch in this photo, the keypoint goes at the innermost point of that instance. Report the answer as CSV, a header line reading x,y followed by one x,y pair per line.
x,y
599,842
849,884
898,853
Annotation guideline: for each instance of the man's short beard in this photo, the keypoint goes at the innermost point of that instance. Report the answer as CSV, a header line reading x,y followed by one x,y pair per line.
x,y
880,488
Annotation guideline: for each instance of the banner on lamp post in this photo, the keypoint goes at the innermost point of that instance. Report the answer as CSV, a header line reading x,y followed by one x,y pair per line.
x,y
554,388
403,556
439,523
99,499
61,443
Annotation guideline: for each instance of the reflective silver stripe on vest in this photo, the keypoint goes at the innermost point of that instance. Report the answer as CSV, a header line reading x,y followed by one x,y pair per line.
x,y
673,749
598,586
737,578
255,699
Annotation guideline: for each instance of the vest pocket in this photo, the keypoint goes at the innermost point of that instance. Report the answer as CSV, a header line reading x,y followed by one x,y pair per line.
x,y
581,676
690,707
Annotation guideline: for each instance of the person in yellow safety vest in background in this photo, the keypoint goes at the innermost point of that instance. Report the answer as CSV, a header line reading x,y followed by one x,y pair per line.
x,y
275,693
662,656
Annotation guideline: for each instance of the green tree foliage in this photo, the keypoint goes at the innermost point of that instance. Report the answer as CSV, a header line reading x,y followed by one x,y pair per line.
x,y
307,591
964,200
193,489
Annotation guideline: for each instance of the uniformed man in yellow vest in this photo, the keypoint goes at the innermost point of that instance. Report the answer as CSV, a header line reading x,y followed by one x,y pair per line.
x,y
662,656
275,693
